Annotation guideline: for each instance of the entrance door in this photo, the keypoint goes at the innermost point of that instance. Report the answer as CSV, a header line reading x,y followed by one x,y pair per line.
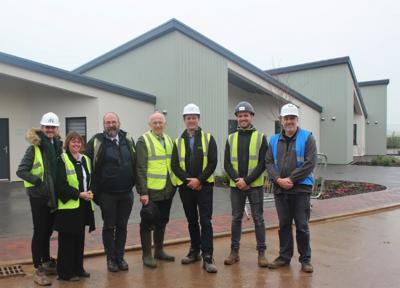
x,y
4,150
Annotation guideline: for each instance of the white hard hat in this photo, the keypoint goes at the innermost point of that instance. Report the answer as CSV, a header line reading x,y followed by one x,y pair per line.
x,y
289,109
50,119
190,109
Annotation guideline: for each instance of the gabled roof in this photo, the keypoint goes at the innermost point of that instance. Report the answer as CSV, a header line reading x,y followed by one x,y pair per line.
x,y
175,25
374,83
321,64
74,77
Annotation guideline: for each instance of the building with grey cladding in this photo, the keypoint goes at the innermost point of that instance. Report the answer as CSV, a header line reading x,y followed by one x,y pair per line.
x,y
173,65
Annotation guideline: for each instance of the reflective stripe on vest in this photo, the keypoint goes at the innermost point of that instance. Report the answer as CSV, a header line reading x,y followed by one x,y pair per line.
x,y
254,151
301,140
180,145
159,161
37,166
73,181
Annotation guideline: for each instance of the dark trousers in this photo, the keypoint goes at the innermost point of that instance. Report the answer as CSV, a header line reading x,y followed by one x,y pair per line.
x,y
115,210
70,254
43,222
294,207
164,207
238,201
199,204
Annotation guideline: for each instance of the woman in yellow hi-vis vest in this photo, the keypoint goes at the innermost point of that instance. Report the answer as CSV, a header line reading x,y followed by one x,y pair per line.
x,y
75,208
38,170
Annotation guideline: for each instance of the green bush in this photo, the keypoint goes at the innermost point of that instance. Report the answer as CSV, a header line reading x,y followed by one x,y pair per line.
x,y
222,180
384,160
393,142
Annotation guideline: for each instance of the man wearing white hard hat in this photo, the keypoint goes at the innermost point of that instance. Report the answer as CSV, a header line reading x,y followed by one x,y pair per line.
x,y
290,161
194,159
38,170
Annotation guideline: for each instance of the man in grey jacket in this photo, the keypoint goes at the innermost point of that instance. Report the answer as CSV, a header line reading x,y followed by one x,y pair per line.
x,y
290,161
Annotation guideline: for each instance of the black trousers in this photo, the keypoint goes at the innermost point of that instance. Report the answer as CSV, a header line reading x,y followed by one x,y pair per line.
x,y
70,254
43,222
199,204
164,207
115,210
294,207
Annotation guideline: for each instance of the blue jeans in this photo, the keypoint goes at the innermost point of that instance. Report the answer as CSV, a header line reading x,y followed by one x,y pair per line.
x,y
294,207
238,201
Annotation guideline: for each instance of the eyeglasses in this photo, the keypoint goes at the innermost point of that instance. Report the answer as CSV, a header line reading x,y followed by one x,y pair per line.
x,y
50,127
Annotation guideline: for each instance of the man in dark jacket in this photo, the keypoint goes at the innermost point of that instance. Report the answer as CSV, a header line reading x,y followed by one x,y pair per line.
x,y
290,161
155,183
113,159
38,169
245,164
194,160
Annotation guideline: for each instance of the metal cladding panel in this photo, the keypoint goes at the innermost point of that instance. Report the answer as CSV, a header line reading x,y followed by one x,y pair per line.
x,y
329,87
375,98
202,78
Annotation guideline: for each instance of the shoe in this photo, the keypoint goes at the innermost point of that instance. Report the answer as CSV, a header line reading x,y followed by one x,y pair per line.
x,y
83,274
159,252
147,257
40,278
191,257
209,264
232,258
112,266
278,262
122,265
262,260
307,267
50,267
72,279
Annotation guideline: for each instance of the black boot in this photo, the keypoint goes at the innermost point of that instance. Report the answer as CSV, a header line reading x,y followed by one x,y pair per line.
x,y
145,238
159,253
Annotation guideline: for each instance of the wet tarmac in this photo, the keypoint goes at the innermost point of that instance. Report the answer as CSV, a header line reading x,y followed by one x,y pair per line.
x,y
354,252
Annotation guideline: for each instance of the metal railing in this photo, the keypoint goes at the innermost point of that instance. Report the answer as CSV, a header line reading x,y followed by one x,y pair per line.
x,y
318,187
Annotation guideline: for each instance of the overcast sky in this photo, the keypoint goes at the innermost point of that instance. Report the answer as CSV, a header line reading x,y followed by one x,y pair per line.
x,y
267,33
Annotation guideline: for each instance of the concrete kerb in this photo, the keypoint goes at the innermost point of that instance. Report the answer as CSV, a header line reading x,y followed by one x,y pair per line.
x,y
137,247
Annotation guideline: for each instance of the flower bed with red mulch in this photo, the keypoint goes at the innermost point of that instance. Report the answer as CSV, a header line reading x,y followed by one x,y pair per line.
x,y
339,188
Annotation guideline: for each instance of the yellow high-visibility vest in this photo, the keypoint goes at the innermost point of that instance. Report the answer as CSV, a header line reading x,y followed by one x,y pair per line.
x,y
72,180
37,167
159,161
254,150
180,145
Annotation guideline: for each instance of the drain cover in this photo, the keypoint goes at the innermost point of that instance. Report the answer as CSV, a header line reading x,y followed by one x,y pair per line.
x,y
9,271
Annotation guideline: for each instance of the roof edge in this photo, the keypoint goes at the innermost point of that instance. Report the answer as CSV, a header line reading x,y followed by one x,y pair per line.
x,y
374,82
74,77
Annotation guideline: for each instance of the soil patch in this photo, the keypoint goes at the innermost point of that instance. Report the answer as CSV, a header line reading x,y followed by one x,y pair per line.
x,y
339,188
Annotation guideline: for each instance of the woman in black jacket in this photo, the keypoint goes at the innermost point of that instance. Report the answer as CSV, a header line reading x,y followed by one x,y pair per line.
x,y
75,208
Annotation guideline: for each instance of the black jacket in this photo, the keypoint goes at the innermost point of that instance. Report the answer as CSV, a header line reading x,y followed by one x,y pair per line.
x,y
72,221
50,153
114,170
194,165
287,163
243,157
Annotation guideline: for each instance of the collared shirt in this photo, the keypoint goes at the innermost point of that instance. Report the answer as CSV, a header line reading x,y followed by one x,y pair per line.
x,y
113,139
159,138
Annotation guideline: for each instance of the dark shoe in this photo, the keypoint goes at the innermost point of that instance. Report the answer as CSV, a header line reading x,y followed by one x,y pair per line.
x,y
40,278
149,261
72,279
278,262
159,252
84,274
122,265
191,257
232,258
50,267
112,266
262,260
307,267
209,264
147,257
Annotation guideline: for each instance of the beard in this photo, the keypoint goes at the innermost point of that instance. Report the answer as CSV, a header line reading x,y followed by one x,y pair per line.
x,y
112,131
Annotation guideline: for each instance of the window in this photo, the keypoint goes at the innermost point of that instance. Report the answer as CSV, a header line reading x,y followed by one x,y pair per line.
x,y
232,126
354,134
77,124
278,127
